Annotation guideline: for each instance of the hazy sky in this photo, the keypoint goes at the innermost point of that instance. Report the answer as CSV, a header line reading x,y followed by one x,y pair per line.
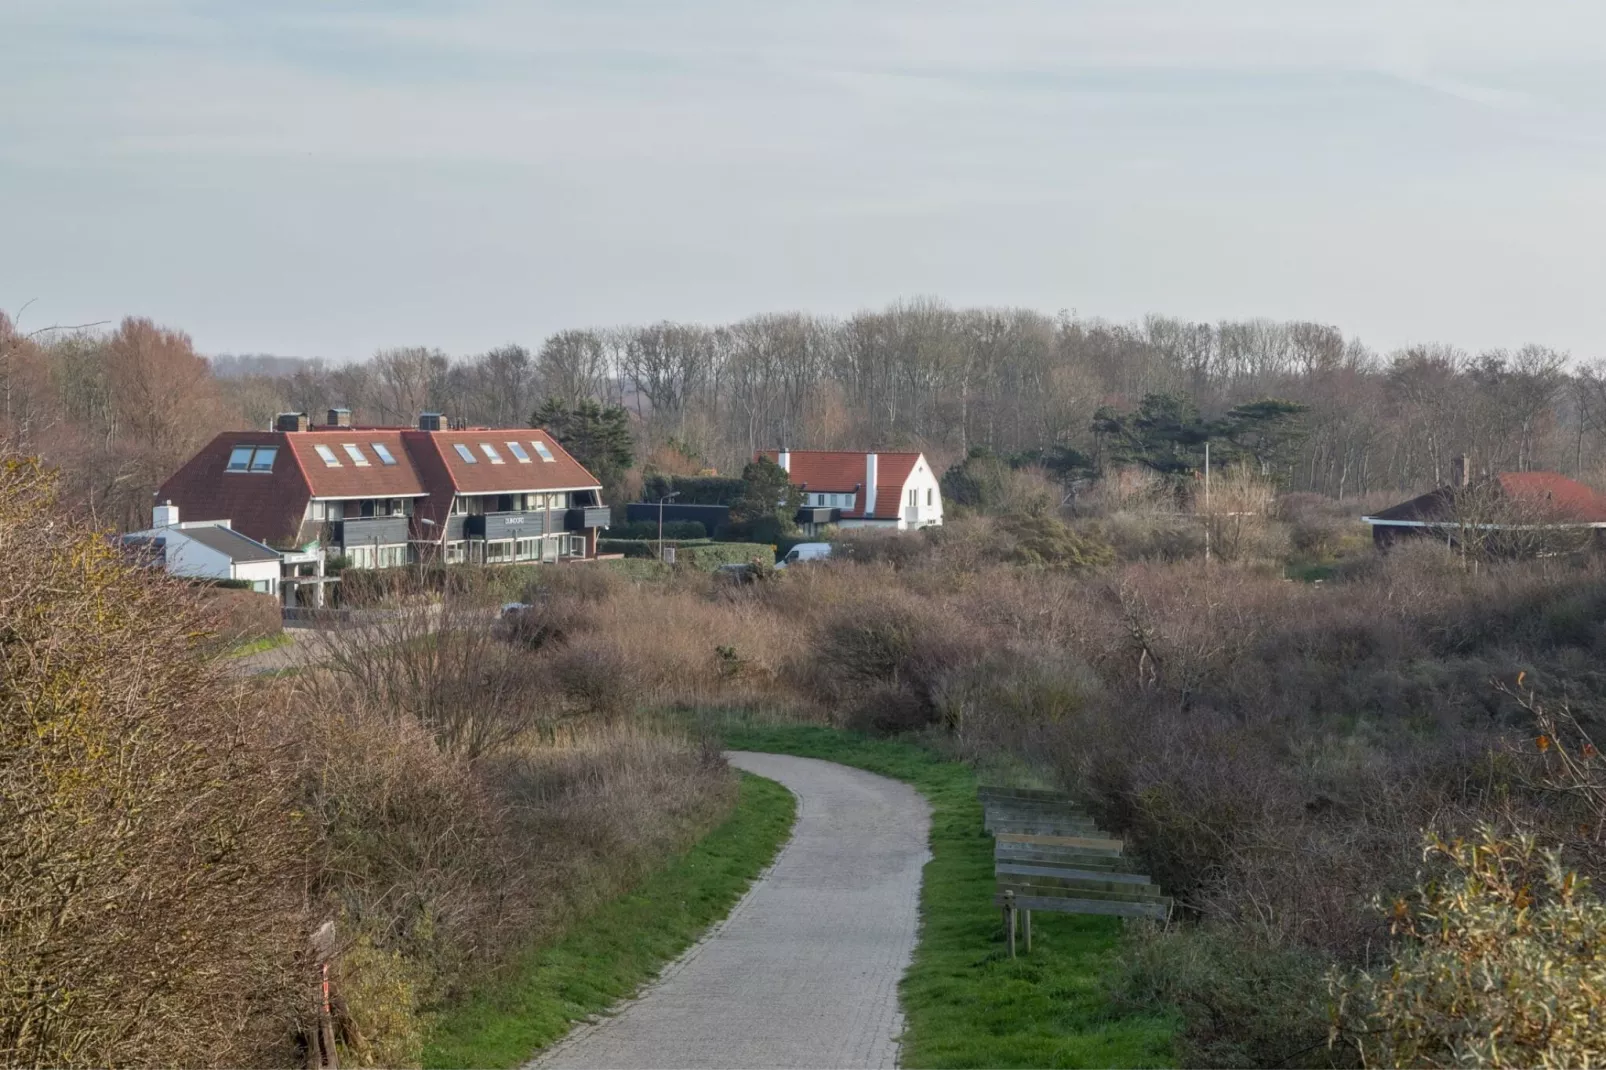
x,y
324,177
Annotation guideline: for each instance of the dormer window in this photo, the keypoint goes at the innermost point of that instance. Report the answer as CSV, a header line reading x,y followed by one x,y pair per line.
x,y
354,451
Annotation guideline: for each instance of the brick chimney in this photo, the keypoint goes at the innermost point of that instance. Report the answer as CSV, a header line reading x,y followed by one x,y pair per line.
x,y
431,421
339,417
1460,471
291,421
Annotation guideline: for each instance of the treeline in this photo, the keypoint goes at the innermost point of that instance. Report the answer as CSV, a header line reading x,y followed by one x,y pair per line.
x,y
917,374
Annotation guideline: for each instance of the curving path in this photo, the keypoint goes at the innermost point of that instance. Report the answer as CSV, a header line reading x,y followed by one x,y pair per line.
x,y
804,972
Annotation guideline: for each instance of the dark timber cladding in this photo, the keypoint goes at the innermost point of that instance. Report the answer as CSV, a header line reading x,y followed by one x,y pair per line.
x,y
1049,854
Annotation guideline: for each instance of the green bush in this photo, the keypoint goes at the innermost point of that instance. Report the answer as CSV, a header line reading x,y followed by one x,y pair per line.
x,y
1504,965
648,529
693,490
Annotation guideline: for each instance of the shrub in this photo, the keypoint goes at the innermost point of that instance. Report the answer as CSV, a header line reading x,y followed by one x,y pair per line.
x,y
1046,542
596,677
240,616
151,871
1503,965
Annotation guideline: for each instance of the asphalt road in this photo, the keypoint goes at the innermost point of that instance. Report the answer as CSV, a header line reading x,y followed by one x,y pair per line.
x,y
805,970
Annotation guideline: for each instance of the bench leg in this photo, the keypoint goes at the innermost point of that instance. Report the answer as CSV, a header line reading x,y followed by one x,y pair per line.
x,y
1028,932
1012,913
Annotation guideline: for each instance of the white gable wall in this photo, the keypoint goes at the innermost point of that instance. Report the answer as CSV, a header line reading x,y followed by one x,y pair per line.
x,y
920,504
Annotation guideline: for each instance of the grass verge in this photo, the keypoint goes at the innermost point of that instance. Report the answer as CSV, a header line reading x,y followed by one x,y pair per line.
x,y
257,646
607,956
966,1003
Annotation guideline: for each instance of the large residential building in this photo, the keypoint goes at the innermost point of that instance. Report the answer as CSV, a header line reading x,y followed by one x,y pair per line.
x,y
381,497
852,489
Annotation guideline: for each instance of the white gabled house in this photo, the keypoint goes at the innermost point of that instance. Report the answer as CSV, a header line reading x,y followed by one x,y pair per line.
x,y
859,489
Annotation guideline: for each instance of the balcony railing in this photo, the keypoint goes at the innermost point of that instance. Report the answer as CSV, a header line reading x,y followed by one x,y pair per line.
x,y
494,527
590,516
370,531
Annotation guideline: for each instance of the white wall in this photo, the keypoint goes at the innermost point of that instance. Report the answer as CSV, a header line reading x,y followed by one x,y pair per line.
x,y
923,482
186,557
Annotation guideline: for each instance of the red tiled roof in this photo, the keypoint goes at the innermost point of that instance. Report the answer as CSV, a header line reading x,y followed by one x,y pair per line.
x,y
844,472
483,476
349,479
1558,499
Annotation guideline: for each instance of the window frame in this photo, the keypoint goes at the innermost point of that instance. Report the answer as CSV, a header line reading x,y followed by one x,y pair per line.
x,y
382,451
326,455
517,450
359,459
491,454
546,454
464,453
250,453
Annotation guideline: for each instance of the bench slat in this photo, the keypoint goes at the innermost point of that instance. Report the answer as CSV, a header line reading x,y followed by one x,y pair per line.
x,y
1094,843
1043,892
1050,870
1158,911
1099,882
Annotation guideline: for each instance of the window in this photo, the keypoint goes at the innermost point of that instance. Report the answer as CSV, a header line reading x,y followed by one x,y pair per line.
x,y
501,550
465,453
262,586
383,453
518,451
928,495
315,510
355,453
546,454
360,556
251,459
528,549
337,510
914,498
392,556
490,453
328,456
459,506
577,545
454,553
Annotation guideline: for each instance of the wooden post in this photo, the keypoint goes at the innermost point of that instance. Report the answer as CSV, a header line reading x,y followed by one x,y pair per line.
x,y
322,1051
1028,932
1009,913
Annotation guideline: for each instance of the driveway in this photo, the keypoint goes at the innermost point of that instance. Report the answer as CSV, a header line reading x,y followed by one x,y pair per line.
x,y
805,970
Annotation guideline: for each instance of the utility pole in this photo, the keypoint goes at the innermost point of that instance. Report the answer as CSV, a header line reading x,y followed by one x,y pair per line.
x,y
661,502
1207,501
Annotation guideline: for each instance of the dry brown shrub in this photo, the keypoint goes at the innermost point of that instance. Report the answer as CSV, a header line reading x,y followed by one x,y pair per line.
x,y
151,865
239,616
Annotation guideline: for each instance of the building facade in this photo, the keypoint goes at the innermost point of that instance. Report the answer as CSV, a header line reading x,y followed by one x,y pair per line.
x,y
384,497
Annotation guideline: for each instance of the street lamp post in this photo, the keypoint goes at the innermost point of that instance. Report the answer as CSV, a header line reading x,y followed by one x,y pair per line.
x,y
661,502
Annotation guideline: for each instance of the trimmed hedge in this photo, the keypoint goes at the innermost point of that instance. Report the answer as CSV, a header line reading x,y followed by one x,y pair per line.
x,y
648,529
700,553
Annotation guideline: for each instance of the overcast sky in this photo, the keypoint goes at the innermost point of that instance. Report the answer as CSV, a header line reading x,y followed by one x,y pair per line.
x,y
325,177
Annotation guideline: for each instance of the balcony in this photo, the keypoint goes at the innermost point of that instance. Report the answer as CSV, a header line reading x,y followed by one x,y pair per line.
x,y
589,516
494,527
818,514
370,531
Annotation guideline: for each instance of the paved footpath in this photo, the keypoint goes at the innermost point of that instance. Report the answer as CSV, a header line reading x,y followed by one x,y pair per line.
x,y
805,970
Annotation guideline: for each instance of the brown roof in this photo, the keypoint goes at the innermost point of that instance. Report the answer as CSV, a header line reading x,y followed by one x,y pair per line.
x,y
269,506
485,476
1552,496
843,472
348,479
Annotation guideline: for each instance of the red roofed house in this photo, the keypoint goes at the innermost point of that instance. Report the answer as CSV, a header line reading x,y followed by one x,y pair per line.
x,y
854,489
382,497
1526,511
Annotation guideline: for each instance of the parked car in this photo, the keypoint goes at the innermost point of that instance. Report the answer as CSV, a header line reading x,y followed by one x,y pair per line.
x,y
806,551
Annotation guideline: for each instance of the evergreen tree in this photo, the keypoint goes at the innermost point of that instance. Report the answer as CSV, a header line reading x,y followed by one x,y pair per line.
x,y
595,435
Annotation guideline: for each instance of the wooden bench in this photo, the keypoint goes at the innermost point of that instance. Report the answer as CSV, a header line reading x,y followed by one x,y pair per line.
x,y
1049,854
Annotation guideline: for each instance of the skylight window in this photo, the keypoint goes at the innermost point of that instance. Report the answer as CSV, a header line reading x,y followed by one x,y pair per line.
x,y
490,453
328,455
546,454
354,451
251,459
464,452
383,453
518,451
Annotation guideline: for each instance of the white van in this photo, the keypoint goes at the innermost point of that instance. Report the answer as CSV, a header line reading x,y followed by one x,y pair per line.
x,y
806,551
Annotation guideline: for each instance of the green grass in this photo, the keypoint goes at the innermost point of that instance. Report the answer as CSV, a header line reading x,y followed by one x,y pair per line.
x,y
257,646
607,956
967,1004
